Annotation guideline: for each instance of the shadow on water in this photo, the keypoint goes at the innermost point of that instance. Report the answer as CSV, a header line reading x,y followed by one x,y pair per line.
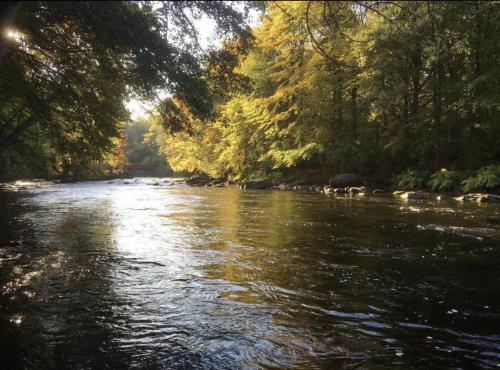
x,y
114,276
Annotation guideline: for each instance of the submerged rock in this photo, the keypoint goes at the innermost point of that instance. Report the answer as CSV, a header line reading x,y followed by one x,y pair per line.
x,y
345,180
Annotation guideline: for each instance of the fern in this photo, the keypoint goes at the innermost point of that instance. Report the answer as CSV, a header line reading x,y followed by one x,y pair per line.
x,y
445,180
486,178
410,180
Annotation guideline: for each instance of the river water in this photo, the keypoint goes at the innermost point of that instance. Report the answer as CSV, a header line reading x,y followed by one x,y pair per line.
x,y
97,275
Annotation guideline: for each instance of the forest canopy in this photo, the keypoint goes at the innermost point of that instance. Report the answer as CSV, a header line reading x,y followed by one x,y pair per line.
x,y
68,67
317,87
372,87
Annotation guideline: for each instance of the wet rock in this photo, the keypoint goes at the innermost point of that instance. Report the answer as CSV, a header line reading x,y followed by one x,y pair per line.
x,y
339,190
415,195
328,190
398,193
353,190
301,188
156,183
257,184
489,198
318,188
198,181
345,180
377,191
471,197
285,187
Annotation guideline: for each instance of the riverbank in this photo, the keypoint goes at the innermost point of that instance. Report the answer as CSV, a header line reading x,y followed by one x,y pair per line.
x,y
344,185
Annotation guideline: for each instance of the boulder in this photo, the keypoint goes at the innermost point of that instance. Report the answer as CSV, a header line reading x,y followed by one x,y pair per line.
x,y
197,180
339,190
257,184
345,180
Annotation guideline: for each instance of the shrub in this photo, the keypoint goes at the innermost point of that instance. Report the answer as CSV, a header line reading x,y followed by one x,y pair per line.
x,y
486,178
410,180
445,180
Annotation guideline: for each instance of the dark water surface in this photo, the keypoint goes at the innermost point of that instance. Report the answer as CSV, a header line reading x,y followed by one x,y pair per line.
x,y
97,275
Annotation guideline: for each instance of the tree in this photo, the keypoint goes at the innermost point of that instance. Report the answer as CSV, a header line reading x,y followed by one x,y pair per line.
x,y
356,86
67,67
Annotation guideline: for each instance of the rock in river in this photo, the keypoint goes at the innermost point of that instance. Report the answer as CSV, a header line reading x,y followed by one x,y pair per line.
x,y
479,197
198,181
257,184
489,198
415,195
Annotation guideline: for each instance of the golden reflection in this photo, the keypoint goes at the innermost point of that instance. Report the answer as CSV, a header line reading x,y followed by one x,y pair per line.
x,y
252,232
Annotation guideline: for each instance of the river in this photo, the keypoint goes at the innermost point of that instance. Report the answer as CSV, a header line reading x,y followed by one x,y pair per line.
x,y
99,275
